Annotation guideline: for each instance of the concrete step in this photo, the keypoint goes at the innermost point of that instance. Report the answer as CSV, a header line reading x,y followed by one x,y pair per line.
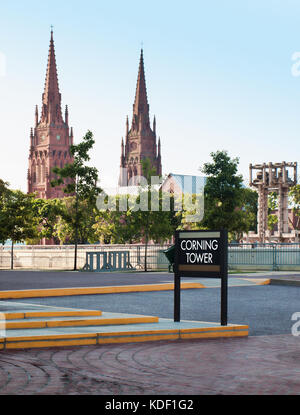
x,y
164,329
80,319
24,325
45,314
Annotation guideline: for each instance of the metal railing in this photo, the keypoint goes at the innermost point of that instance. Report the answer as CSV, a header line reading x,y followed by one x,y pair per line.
x,y
240,256
274,256
62,256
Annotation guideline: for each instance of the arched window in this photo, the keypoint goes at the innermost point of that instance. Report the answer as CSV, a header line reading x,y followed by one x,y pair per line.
x,y
38,172
43,172
135,175
33,170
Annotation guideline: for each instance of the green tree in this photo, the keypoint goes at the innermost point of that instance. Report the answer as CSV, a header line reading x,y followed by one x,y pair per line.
x,y
65,226
272,206
17,220
249,201
116,226
191,205
151,224
48,213
224,196
175,216
3,187
81,182
294,194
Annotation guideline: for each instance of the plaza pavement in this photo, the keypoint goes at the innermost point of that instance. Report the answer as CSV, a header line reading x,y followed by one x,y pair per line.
x,y
261,365
264,365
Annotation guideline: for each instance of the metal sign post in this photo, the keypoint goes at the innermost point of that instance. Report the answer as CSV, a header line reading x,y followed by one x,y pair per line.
x,y
201,254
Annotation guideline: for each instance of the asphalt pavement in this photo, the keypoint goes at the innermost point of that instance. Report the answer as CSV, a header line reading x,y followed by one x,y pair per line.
x,y
267,309
26,280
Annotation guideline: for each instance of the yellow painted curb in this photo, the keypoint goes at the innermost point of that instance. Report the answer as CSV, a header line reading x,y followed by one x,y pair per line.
x,y
33,314
104,322
136,333
72,323
47,343
75,323
137,339
58,292
81,339
25,325
13,316
267,282
50,337
258,281
217,328
212,335
78,313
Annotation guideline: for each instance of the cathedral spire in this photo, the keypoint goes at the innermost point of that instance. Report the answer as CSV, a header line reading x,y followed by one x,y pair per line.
x,y
51,138
140,142
67,115
127,126
51,111
36,115
159,148
140,106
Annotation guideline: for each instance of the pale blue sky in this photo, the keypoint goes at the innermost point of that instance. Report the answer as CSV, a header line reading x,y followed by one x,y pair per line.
x,y
218,76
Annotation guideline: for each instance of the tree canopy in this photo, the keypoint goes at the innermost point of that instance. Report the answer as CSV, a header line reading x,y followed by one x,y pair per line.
x,y
228,204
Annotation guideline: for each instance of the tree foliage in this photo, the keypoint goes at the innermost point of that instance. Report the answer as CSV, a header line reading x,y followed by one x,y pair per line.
x,y
295,201
65,226
228,205
80,180
17,219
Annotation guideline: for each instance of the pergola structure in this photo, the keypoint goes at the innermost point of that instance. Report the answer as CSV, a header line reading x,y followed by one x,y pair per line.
x,y
273,177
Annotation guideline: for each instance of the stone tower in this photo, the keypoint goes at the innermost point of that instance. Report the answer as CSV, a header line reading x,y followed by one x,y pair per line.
x,y
51,137
140,139
273,177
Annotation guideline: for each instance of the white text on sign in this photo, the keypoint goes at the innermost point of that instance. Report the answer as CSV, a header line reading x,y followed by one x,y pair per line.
x,y
199,245
196,245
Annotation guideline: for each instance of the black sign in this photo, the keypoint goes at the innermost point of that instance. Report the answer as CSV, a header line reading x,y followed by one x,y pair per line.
x,y
201,254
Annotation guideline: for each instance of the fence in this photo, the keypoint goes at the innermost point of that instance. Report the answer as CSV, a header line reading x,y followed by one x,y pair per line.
x,y
62,256
275,257
240,256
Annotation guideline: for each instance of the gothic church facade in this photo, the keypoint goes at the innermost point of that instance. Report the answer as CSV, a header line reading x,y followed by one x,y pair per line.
x,y
51,137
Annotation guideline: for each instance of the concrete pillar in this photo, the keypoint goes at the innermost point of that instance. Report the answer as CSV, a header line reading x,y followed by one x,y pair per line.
x,y
285,212
279,213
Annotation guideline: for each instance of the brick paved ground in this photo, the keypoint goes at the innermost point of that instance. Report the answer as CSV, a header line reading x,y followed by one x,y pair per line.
x,y
255,365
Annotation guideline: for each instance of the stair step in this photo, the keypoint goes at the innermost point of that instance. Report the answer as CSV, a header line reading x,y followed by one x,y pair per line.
x,y
42,314
75,321
28,326
164,329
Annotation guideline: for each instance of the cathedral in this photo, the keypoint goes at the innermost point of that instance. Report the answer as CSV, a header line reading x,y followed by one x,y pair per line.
x,y
51,137
140,139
